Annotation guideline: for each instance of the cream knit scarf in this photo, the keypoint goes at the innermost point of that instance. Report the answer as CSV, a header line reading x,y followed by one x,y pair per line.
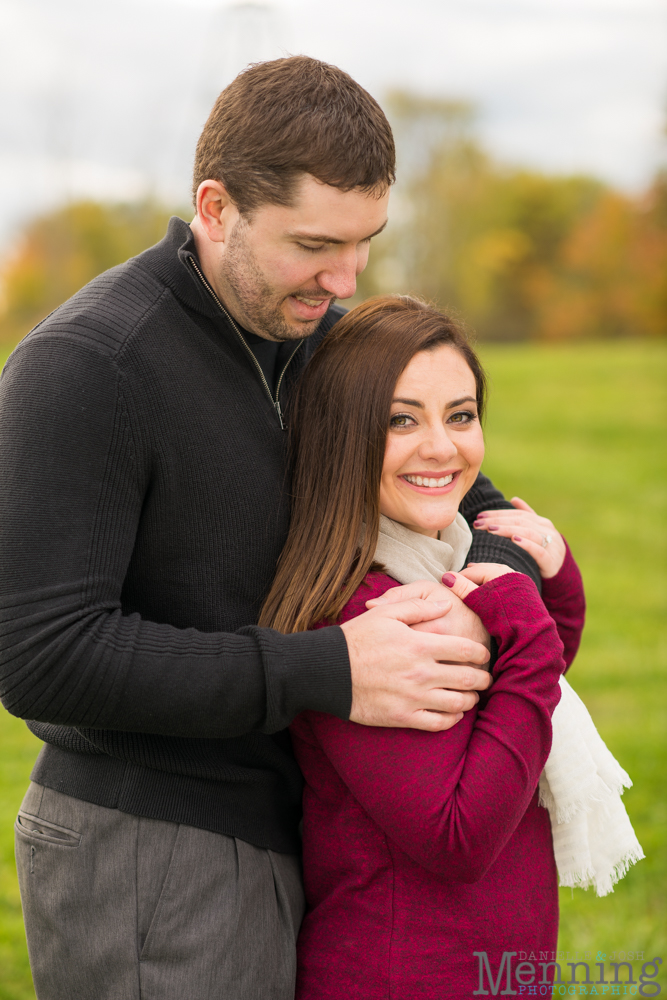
x,y
582,783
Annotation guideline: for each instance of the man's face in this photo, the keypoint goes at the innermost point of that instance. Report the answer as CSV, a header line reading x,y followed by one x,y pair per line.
x,y
281,270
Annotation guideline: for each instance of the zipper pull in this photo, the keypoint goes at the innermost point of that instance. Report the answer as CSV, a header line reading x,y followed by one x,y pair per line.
x,y
280,414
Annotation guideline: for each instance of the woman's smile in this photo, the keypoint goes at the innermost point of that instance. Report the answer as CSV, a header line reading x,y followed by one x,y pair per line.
x,y
429,481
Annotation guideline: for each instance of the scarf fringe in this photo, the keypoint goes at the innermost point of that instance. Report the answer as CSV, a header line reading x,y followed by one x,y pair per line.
x,y
587,878
586,800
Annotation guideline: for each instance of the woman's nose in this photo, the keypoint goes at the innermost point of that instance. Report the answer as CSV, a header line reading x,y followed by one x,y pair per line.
x,y
438,445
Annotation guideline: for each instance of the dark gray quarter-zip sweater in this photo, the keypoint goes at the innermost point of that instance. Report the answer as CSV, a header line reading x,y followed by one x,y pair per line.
x,y
143,507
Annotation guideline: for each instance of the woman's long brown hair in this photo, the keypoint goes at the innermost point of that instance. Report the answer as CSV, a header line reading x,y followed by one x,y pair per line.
x,y
339,420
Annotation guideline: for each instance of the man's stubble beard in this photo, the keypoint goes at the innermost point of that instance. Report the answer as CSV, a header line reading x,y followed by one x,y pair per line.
x,y
259,302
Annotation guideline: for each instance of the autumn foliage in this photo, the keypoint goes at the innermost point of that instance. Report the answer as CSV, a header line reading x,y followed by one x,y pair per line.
x,y
60,252
519,255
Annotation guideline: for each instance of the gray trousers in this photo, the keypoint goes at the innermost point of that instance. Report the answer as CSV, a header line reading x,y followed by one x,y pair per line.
x,y
119,907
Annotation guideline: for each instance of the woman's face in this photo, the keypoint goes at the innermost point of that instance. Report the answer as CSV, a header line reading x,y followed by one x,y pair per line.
x,y
435,445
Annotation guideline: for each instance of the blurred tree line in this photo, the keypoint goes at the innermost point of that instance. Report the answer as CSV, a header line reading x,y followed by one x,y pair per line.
x,y
516,253
60,252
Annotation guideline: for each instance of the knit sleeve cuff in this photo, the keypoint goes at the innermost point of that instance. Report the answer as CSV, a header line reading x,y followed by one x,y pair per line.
x,y
502,602
309,671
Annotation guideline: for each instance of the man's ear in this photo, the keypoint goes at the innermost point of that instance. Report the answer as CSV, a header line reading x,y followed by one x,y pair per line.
x,y
216,211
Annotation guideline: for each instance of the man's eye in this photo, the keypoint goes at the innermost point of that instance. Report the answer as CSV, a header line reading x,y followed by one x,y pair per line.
x,y
304,246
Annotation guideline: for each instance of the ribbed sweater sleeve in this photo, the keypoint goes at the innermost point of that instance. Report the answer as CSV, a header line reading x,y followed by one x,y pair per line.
x,y
75,475
492,548
452,800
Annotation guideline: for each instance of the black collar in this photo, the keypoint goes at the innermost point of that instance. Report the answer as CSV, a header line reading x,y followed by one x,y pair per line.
x,y
168,260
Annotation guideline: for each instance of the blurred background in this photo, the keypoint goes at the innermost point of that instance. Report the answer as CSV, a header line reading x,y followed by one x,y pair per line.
x,y
532,192
531,200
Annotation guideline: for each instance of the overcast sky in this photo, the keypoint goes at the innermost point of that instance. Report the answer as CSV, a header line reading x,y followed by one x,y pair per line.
x,y
105,98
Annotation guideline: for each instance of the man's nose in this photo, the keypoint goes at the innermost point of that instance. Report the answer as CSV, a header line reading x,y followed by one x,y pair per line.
x,y
340,277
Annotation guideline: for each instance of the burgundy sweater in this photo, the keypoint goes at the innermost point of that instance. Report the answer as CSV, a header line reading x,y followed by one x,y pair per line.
x,y
420,848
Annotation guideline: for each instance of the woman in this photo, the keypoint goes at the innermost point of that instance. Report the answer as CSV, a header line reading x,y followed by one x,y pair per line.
x,y
426,855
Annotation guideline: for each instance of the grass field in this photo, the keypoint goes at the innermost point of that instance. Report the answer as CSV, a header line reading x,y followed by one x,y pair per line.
x,y
578,432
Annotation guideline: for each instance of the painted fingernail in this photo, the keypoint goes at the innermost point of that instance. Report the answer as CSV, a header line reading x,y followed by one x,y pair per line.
x,y
517,538
449,579
492,527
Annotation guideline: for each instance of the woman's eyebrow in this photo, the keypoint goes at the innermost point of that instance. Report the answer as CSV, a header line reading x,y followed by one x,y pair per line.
x,y
454,402
463,399
409,402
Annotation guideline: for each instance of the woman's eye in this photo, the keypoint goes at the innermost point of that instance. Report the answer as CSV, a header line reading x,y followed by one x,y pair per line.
x,y
401,420
462,417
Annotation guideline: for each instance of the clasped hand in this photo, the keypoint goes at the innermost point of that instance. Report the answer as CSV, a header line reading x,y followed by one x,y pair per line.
x,y
406,677
419,655
536,535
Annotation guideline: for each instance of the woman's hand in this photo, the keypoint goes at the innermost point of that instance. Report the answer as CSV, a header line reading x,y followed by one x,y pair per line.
x,y
529,531
474,576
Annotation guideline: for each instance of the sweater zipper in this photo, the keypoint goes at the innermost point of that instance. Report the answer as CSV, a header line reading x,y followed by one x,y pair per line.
x,y
275,402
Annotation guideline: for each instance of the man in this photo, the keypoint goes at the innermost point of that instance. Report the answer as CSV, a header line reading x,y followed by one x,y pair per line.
x,y
144,509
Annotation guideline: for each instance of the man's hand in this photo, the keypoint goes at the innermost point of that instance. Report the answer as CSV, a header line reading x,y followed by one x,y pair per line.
x,y
410,679
458,620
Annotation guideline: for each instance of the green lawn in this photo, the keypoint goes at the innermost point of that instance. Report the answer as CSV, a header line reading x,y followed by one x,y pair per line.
x,y
578,432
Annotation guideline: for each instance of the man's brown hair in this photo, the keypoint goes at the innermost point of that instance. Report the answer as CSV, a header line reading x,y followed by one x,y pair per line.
x,y
339,420
280,119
